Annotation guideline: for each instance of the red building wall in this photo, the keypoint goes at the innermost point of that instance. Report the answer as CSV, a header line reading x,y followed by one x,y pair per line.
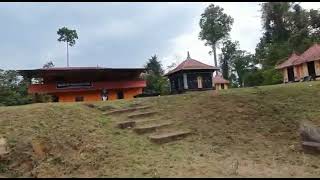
x,y
96,95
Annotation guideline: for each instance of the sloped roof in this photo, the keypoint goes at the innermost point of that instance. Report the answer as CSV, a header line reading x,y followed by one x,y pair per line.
x,y
80,68
39,72
311,54
218,79
190,64
290,61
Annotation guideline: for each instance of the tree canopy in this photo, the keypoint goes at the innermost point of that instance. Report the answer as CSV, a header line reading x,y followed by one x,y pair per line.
x,y
215,25
67,35
156,82
48,65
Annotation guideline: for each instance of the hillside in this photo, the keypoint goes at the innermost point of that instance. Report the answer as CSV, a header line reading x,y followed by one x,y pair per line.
x,y
249,132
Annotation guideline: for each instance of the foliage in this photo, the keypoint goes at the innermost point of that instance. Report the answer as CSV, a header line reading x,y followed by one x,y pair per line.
x,y
253,77
13,90
287,28
48,65
241,65
154,66
215,25
156,82
228,52
67,35
271,76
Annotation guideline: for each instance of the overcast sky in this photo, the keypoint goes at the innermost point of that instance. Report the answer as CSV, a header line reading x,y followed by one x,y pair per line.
x,y
117,34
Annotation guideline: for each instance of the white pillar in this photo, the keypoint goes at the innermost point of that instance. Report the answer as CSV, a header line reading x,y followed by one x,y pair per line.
x,y
185,81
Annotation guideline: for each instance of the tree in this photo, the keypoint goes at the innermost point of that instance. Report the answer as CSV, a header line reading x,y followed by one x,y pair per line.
x,y
68,36
154,66
13,89
243,62
215,25
228,50
48,65
156,83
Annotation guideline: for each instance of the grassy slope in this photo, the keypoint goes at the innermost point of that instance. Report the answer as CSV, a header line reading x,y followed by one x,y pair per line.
x,y
256,127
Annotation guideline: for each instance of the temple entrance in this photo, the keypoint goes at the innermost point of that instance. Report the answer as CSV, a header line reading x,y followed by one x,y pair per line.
x,y
79,98
290,74
311,69
120,95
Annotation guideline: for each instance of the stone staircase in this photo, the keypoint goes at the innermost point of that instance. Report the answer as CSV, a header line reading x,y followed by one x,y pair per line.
x,y
144,121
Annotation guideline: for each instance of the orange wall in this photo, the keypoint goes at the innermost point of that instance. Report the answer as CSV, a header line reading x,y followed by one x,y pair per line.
x,y
87,95
96,95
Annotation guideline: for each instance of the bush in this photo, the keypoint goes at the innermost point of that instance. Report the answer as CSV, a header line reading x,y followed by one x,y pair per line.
x,y
254,78
41,98
271,76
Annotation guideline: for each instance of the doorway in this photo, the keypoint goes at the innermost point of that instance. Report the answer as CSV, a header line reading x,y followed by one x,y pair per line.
x,y
311,69
79,98
120,95
199,78
290,74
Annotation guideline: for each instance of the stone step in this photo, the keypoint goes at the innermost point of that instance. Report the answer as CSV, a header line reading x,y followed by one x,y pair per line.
x,y
126,110
126,124
146,121
150,127
168,136
144,114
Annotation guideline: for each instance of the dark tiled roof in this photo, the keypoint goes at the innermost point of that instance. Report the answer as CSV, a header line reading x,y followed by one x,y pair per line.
x,y
289,62
189,64
311,54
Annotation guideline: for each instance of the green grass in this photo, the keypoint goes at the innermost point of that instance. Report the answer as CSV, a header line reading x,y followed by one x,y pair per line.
x,y
255,126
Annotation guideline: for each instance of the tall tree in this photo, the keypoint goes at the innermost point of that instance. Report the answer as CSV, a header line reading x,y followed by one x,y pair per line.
x,y
156,83
69,36
228,51
154,66
242,63
215,25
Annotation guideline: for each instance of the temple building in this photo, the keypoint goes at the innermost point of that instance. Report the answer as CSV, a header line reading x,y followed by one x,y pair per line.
x,y
191,75
220,83
298,67
71,84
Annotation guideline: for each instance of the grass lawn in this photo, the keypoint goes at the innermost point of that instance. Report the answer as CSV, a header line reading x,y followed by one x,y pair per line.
x,y
247,132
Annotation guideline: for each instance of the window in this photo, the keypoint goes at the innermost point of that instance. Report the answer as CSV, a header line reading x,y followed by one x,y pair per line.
x,y
79,98
120,95
74,85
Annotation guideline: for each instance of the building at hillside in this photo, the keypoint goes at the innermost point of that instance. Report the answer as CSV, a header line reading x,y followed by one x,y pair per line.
x,y
85,83
191,75
220,82
297,67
